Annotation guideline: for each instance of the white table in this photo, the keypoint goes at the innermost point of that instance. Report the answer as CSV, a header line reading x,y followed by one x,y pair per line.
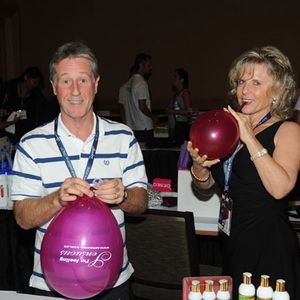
x,y
203,225
12,295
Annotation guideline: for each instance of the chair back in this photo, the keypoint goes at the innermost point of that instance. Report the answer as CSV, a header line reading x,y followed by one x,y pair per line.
x,y
162,248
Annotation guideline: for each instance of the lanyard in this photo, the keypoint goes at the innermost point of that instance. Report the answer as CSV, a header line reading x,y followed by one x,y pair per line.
x,y
65,155
228,163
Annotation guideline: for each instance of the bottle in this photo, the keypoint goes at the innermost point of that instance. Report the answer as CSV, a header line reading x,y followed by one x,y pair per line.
x,y
176,105
209,293
10,203
195,293
264,291
246,289
280,292
5,177
223,292
3,183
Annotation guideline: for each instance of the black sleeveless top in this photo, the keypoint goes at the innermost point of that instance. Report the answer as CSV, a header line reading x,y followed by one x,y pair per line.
x,y
262,240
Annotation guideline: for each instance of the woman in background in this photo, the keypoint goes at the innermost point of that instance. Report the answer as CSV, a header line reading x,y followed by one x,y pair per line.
x,y
180,106
257,180
24,95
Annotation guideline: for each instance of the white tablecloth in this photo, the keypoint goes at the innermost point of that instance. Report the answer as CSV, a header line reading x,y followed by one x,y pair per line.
x,y
11,295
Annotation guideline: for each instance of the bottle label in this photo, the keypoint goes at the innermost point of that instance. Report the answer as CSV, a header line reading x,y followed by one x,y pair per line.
x,y
242,297
1,191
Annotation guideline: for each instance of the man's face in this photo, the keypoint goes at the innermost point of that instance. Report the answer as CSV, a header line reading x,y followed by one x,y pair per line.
x,y
75,87
146,68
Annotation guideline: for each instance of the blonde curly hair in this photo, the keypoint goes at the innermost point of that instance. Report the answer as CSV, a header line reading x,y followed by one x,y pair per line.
x,y
279,67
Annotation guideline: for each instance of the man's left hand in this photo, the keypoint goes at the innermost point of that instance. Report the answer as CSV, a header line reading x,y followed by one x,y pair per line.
x,y
110,191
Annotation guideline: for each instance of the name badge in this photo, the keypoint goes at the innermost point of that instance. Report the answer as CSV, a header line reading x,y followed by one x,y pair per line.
x,y
225,215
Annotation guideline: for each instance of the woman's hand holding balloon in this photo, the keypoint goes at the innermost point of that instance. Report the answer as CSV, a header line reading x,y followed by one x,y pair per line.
x,y
201,165
200,161
245,126
110,191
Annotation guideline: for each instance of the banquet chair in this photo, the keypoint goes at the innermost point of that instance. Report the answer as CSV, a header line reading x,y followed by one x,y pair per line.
x,y
162,248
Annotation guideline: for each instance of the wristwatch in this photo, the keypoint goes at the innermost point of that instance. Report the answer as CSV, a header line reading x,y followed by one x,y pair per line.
x,y
125,195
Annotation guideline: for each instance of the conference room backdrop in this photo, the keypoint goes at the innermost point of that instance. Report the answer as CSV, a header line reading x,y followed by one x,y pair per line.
x,y
201,36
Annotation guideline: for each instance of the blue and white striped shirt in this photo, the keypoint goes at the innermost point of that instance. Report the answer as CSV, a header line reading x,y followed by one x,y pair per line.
x,y
39,169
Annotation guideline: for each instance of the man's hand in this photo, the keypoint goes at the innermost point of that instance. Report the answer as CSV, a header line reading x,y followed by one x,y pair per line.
x,y
71,188
110,191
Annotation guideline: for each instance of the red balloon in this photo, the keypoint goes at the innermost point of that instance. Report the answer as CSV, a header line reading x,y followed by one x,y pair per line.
x,y
82,250
215,133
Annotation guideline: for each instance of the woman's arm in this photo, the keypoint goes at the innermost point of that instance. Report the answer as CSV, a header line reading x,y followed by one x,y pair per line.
x,y
200,169
278,172
186,95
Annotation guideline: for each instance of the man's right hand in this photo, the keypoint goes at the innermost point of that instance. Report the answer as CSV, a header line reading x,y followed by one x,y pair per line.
x,y
72,188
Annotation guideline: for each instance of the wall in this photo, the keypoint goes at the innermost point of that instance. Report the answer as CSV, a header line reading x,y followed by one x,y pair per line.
x,y
201,36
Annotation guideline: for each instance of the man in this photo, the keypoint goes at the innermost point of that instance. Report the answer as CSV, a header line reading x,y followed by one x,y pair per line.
x,y
124,99
57,162
138,110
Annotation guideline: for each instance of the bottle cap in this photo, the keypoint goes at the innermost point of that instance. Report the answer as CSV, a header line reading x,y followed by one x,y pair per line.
x,y
209,284
223,285
264,280
247,277
195,286
280,285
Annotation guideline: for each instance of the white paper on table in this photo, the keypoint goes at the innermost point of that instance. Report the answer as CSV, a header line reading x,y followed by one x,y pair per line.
x,y
11,128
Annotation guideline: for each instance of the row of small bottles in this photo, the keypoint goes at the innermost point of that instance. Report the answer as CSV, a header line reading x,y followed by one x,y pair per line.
x,y
247,290
264,291
209,293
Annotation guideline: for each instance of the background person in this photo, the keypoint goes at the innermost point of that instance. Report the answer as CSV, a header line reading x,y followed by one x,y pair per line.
x,y
138,113
180,106
25,94
45,179
124,99
264,170
4,139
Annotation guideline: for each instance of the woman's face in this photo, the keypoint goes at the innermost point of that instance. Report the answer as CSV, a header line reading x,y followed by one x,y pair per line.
x,y
254,89
176,80
32,83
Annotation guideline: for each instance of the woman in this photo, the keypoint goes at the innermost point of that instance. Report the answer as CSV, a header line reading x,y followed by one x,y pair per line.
x,y
25,94
179,108
256,234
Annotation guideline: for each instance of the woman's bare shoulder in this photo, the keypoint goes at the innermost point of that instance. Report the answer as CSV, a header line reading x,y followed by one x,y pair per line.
x,y
290,125
289,130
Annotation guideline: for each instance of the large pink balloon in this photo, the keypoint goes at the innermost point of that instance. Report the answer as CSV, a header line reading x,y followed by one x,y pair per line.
x,y
215,133
82,250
